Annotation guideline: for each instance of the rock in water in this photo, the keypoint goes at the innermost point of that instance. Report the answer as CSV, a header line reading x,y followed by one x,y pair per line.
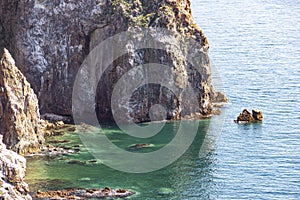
x,y
19,111
257,115
84,194
247,117
12,173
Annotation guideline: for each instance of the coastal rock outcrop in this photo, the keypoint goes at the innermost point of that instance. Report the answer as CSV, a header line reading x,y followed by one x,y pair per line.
x,y
247,117
19,111
51,38
84,194
12,173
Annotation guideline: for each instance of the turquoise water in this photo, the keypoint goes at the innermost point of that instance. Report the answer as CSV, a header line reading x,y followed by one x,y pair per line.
x,y
255,47
175,181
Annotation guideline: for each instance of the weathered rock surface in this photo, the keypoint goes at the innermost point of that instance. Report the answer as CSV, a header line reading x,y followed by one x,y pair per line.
x,y
51,38
12,173
257,115
19,111
84,194
247,117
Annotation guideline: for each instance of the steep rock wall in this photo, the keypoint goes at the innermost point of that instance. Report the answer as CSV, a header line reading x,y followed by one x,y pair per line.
x,y
51,38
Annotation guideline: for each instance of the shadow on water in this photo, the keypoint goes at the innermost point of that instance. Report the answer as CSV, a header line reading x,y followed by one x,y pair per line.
x,y
187,178
251,128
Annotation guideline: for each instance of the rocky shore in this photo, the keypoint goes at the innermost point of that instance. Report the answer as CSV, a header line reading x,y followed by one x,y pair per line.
x,y
83,194
12,174
23,131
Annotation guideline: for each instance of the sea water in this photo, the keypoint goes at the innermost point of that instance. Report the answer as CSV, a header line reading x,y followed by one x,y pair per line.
x,y
255,54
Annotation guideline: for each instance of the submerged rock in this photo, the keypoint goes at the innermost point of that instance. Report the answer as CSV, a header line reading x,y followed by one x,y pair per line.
x,y
84,194
51,151
76,162
165,191
139,146
247,117
12,174
19,111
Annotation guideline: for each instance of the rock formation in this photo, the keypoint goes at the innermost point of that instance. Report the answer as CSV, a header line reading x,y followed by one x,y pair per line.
x,y
84,194
257,115
247,117
51,38
19,112
12,173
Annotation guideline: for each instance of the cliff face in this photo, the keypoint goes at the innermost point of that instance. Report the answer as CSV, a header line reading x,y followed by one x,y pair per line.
x,y
19,112
51,38
12,174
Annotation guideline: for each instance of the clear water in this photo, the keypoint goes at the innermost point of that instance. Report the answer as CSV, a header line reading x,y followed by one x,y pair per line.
x,y
254,45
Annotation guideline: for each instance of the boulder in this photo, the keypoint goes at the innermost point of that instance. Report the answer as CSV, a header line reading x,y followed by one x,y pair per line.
x,y
19,111
12,173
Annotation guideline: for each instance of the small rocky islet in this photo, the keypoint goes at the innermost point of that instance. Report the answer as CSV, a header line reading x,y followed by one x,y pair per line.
x,y
247,117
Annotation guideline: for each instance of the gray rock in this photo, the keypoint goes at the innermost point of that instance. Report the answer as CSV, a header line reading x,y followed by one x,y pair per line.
x,y
12,174
51,38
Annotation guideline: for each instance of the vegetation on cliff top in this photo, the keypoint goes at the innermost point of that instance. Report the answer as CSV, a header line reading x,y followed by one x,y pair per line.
x,y
170,14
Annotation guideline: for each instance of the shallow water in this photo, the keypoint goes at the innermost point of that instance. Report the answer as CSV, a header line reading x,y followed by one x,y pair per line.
x,y
255,47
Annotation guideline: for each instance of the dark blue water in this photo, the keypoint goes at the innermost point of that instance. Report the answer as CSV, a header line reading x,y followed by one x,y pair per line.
x,y
255,48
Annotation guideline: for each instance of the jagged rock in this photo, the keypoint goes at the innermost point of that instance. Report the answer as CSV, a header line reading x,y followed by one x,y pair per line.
x,y
56,128
84,194
12,174
19,111
257,115
55,36
247,117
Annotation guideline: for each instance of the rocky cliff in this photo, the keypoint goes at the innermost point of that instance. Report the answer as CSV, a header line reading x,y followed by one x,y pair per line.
x,y
51,38
19,112
12,174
